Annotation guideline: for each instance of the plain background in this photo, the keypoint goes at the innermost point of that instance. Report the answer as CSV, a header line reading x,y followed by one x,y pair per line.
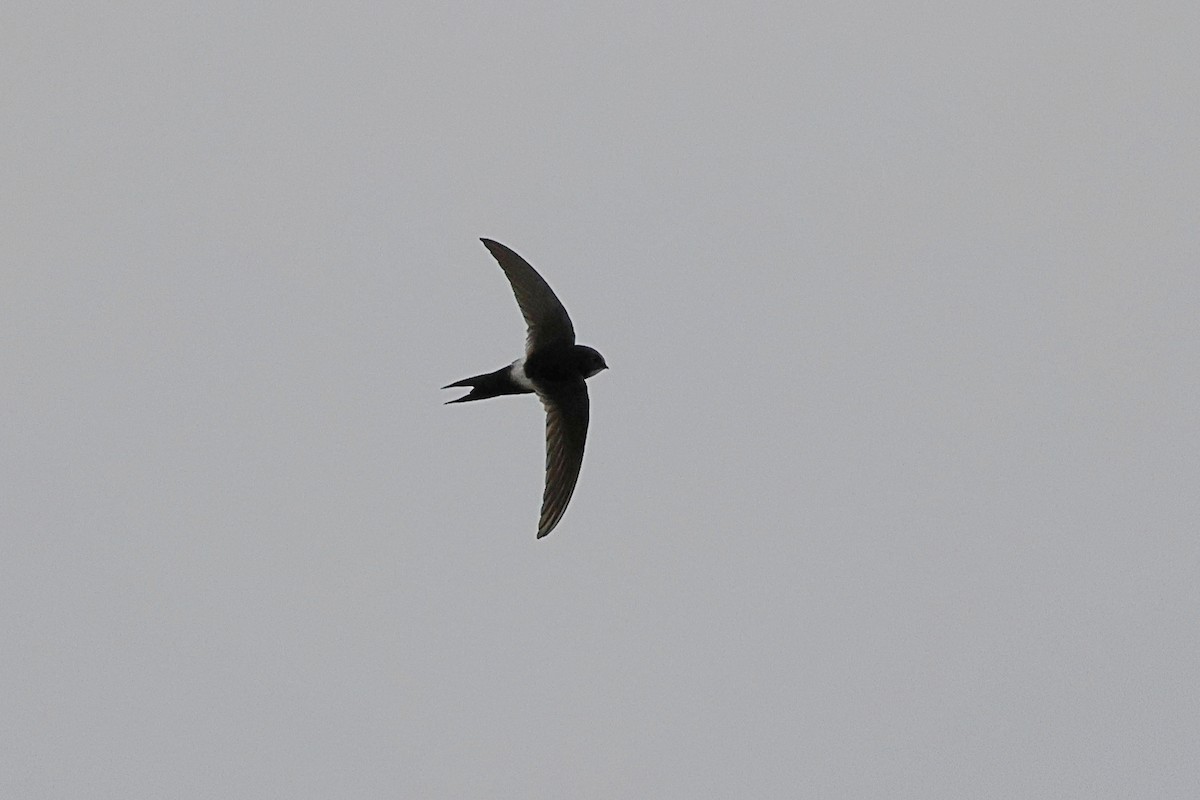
x,y
891,489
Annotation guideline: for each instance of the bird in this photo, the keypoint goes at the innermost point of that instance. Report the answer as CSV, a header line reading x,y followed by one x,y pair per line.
x,y
554,368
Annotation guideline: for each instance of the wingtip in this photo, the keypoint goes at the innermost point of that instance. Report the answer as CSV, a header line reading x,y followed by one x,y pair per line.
x,y
497,249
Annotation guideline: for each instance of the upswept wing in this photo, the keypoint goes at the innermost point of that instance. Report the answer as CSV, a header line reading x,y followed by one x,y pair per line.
x,y
545,317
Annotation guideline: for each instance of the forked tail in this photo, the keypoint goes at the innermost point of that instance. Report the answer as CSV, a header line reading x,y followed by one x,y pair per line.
x,y
490,384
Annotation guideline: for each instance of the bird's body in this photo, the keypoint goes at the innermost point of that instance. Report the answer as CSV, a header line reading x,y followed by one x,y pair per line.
x,y
555,368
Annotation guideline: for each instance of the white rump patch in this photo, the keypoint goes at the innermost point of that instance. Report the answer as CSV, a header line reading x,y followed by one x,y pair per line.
x,y
517,372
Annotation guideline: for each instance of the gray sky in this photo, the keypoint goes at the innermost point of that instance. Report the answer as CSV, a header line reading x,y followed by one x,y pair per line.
x,y
891,490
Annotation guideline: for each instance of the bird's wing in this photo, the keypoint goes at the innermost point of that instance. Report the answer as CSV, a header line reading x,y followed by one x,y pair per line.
x,y
545,317
566,432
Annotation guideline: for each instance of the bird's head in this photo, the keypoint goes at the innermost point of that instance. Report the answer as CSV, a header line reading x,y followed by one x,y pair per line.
x,y
590,361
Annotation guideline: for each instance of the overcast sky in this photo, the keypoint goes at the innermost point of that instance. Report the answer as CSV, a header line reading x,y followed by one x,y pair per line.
x,y
891,491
